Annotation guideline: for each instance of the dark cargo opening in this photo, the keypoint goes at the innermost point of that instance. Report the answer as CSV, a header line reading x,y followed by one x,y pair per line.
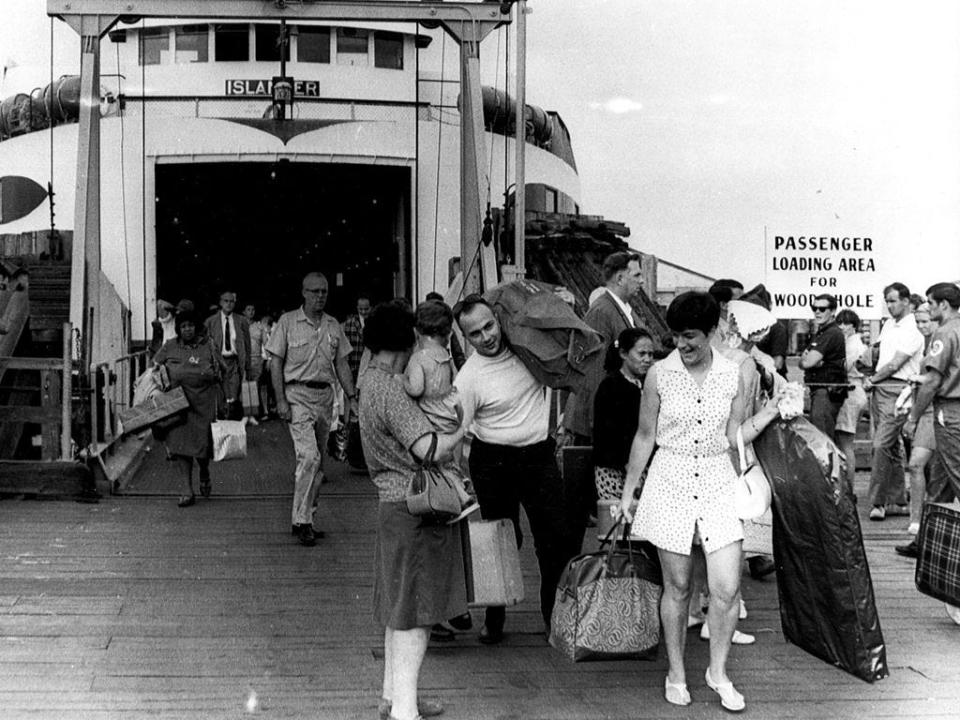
x,y
258,227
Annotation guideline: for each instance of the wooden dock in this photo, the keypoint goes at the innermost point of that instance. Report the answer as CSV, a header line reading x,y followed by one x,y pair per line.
x,y
134,608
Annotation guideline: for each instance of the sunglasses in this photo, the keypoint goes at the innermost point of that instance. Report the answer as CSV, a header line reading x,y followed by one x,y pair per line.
x,y
820,308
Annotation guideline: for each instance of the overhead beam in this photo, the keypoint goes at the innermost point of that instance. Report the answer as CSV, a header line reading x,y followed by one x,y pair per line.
x,y
471,21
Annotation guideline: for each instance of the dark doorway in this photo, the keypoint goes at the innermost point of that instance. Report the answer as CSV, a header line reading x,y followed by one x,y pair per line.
x,y
258,227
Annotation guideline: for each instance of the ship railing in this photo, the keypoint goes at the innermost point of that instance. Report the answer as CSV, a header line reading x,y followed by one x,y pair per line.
x,y
47,404
111,385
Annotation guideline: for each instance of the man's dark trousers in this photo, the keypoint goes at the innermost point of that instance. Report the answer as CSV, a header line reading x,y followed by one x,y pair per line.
x,y
507,477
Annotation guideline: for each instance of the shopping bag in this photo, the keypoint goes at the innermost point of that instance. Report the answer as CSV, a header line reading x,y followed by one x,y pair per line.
x,y
337,443
229,440
491,561
433,494
608,604
355,446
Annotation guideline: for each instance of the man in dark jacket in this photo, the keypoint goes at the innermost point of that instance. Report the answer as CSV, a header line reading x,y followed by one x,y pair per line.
x,y
824,364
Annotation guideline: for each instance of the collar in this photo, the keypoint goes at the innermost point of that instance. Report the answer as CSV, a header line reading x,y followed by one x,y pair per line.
x,y
826,326
302,317
625,307
720,363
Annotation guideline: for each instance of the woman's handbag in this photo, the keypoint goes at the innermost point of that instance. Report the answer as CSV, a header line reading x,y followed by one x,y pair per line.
x,y
752,491
432,494
608,604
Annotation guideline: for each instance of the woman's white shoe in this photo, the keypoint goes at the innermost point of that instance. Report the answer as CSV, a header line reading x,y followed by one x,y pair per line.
x,y
953,611
730,699
676,693
739,638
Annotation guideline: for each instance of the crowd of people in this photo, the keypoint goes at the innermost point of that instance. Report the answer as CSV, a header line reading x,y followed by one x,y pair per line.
x,y
662,415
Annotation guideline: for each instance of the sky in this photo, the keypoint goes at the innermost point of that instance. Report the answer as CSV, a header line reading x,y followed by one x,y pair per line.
x,y
712,127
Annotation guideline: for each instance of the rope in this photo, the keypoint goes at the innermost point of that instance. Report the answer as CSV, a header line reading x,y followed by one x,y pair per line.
x,y
143,183
416,165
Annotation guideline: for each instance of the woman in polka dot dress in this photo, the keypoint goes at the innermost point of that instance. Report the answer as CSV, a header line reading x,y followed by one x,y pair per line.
x,y
693,402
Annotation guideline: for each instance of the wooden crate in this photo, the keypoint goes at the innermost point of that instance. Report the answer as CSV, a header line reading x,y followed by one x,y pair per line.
x,y
153,409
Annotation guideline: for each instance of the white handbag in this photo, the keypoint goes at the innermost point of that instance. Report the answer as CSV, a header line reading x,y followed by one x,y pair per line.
x,y
752,491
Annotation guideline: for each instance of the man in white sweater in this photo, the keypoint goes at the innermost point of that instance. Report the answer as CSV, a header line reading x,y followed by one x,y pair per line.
x,y
512,461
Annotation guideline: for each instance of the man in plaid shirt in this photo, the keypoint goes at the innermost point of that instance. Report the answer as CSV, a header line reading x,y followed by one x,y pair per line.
x,y
353,329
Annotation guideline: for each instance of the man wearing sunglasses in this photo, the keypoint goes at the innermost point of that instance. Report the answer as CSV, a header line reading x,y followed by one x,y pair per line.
x,y
824,366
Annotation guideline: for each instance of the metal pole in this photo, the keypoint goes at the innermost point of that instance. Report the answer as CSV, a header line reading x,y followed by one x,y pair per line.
x,y
519,190
66,394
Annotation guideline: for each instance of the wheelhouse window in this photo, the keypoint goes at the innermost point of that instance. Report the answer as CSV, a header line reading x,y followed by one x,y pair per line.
x,y
154,43
268,43
388,50
191,43
352,46
232,43
313,44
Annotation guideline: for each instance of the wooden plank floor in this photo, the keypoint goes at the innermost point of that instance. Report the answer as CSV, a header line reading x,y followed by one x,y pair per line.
x,y
133,608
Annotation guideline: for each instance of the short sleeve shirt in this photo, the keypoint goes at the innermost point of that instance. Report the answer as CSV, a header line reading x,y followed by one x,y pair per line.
x,y
390,423
944,357
901,336
831,344
309,351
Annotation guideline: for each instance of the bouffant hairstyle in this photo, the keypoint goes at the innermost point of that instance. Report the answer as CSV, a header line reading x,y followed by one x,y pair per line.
x,y
693,310
389,327
434,319
848,317
187,316
624,343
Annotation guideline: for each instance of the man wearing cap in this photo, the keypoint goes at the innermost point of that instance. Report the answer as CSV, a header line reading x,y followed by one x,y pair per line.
x,y
901,350
308,354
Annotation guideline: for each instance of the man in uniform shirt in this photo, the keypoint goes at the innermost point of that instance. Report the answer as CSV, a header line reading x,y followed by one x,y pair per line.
x,y
230,334
901,350
512,460
824,365
308,354
941,386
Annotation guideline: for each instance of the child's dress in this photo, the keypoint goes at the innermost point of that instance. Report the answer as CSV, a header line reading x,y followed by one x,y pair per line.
x,y
439,400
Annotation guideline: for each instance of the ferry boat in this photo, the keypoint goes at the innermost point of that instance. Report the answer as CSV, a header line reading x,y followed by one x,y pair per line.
x,y
204,188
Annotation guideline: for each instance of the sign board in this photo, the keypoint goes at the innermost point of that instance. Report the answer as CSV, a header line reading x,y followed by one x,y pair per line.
x,y
798,267
264,88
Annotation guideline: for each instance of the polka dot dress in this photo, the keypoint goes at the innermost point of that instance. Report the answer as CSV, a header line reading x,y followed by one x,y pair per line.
x,y
690,483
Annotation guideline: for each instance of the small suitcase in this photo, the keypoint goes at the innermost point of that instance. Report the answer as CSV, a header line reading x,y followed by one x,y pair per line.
x,y
938,556
492,563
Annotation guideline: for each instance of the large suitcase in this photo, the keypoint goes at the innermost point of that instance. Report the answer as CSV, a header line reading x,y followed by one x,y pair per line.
x,y
492,563
938,556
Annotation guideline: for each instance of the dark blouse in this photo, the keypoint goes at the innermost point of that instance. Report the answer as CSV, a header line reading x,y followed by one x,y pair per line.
x,y
616,412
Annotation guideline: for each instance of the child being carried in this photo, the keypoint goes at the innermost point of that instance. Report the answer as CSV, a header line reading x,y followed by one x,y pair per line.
x,y
429,380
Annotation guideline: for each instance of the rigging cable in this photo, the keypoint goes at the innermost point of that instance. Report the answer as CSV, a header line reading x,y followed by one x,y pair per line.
x,y
143,178
436,201
49,109
415,273
123,185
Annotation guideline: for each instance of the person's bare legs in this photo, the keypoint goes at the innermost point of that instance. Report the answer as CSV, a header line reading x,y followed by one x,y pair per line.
x,y
723,579
674,607
698,585
919,457
403,652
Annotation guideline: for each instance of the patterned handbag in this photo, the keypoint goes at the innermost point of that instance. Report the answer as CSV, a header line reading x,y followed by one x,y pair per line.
x,y
608,604
938,556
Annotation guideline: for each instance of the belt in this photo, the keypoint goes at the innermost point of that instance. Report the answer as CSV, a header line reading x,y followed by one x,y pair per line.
x,y
312,384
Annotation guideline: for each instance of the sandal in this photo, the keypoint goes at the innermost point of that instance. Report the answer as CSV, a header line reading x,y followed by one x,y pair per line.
x,y
676,693
186,500
730,699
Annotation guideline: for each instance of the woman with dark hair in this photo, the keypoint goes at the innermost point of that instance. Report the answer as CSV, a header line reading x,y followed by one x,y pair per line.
x,y
693,403
419,566
616,407
193,365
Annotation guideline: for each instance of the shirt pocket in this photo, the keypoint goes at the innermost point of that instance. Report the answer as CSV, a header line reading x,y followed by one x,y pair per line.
x,y
299,351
